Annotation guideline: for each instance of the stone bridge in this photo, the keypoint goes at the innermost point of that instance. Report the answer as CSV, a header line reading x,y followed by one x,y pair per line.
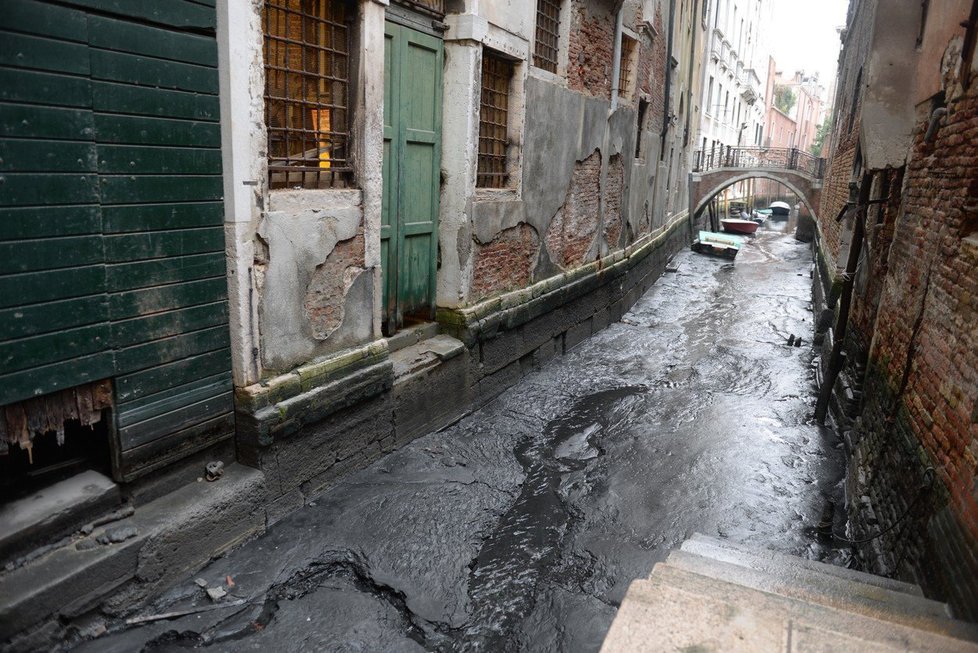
x,y
715,170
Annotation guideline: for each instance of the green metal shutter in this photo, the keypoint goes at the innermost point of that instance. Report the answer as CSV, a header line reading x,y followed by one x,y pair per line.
x,y
112,245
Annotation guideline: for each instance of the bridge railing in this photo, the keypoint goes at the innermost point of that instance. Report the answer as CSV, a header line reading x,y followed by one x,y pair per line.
x,y
787,158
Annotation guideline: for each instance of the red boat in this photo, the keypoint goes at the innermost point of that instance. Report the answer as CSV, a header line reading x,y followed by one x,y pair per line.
x,y
738,226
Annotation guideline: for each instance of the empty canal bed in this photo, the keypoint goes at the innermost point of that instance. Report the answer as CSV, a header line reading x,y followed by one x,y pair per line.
x,y
520,527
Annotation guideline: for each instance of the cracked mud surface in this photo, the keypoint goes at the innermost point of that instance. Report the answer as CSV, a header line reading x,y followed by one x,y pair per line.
x,y
520,527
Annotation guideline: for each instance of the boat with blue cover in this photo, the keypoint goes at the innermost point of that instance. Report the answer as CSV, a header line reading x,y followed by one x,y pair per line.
x,y
717,244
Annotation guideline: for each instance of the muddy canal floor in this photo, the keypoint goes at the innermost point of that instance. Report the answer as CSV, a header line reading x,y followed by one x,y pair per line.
x,y
520,528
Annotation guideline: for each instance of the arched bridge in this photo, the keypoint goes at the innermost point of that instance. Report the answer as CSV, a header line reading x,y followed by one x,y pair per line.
x,y
716,169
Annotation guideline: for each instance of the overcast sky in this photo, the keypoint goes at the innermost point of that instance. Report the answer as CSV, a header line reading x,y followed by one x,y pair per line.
x,y
804,36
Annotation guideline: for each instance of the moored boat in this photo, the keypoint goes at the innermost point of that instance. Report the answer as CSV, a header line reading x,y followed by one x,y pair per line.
x,y
738,226
715,244
780,209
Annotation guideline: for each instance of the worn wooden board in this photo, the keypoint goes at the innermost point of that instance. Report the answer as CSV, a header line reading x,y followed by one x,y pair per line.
x,y
111,218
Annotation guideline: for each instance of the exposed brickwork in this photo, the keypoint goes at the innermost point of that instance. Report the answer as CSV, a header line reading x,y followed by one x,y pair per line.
x,y
921,387
506,263
835,194
575,225
325,300
614,193
591,48
652,66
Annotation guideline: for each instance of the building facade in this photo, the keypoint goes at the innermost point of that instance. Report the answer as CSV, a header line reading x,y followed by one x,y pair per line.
x,y
808,109
734,101
312,231
898,257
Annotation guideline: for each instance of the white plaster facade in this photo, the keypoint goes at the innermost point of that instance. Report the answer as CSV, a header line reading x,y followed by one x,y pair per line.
x,y
735,75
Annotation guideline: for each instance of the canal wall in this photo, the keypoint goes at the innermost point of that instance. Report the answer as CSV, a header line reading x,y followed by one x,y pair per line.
x,y
906,400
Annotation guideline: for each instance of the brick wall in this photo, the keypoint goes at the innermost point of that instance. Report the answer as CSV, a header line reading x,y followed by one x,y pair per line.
x,y
614,193
575,225
591,48
505,263
872,271
652,68
835,194
921,387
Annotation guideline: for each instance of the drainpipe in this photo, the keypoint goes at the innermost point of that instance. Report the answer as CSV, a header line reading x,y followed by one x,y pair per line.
x,y
689,115
689,74
669,57
616,60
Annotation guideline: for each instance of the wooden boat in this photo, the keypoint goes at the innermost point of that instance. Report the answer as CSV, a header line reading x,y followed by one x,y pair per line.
x,y
739,226
780,209
725,245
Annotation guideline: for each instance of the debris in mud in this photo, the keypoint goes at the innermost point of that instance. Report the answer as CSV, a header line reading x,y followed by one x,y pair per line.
x,y
116,535
117,515
216,593
132,621
214,470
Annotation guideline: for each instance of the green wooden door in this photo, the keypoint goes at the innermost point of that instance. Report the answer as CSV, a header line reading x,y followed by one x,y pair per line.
x,y
412,165
111,217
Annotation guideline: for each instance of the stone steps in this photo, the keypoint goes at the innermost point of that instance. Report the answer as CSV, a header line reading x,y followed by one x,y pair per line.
x,y
153,547
713,595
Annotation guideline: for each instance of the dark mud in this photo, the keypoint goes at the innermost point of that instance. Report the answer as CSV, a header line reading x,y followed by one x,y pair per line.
x,y
520,528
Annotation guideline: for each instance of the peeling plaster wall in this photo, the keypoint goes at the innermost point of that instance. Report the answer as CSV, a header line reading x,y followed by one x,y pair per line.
x,y
312,301
304,265
579,189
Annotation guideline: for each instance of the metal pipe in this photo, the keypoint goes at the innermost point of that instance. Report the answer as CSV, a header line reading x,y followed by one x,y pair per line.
x,y
616,61
668,90
935,119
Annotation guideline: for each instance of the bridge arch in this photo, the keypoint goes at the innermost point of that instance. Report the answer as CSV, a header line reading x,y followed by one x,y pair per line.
x,y
714,182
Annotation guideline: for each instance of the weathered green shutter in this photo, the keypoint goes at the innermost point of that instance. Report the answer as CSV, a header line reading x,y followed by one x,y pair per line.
x,y
112,245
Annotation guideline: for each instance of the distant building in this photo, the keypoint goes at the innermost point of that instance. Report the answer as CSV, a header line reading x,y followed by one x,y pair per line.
x,y
734,102
808,110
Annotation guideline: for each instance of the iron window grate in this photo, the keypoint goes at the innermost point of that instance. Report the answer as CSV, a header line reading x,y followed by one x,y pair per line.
x,y
494,121
625,69
307,83
545,45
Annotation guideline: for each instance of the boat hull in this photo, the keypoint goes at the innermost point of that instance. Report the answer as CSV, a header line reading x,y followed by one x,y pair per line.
x,y
714,244
739,226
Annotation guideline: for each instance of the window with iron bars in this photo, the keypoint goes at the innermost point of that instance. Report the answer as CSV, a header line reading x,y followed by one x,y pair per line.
x,y
307,93
497,76
627,64
545,43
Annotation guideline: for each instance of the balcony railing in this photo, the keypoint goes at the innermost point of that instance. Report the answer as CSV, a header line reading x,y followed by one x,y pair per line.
x,y
786,158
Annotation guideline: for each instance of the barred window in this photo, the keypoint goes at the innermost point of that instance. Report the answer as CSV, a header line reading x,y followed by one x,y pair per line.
x,y
625,71
547,35
497,75
307,93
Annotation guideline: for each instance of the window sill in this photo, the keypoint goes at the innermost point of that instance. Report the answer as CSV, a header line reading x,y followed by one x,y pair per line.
x,y
496,195
284,199
547,76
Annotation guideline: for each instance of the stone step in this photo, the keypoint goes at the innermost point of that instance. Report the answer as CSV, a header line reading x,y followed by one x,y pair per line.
x,y
828,590
54,512
677,610
761,559
159,542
